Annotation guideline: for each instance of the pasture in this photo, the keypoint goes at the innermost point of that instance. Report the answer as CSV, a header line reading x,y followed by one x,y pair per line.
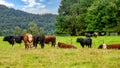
x,y
50,57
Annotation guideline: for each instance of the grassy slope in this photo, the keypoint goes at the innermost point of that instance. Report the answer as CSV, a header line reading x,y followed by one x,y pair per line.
x,y
48,57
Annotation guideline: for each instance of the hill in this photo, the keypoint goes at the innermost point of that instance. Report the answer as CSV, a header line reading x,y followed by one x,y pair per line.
x,y
10,18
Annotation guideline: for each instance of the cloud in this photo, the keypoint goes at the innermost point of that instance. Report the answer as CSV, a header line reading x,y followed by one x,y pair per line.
x,y
39,6
37,10
34,7
32,3
44,11
4,2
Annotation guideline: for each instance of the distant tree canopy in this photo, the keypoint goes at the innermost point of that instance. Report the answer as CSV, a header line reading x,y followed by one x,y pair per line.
x,y
32,29
77,16
11,19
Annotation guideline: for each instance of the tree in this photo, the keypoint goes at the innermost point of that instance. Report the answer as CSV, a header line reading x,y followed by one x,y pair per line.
x,y
71,16
33,29
103,15
41,31
17,30
24,31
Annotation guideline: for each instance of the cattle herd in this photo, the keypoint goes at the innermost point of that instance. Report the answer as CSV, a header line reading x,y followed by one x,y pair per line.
x,y
31,41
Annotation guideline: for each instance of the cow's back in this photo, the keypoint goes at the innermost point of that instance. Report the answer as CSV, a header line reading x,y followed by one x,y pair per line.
x,y
49,39
113,46
88,41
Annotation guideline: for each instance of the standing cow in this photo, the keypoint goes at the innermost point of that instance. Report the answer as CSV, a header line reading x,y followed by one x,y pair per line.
x,y
13,39
28,40
50,39
88,35
39,39
85,41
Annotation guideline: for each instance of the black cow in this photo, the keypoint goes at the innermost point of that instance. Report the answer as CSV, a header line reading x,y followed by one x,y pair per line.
x,y
10,39
39,39
95,34
85,41
13,39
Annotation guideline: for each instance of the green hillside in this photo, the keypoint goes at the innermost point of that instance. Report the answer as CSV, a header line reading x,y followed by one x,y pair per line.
x,y
10,18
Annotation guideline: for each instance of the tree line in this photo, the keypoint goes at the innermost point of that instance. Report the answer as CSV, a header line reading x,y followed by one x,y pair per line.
x,y
79,16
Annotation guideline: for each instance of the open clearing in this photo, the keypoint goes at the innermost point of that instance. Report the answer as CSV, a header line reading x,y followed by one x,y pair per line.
x,y
51,57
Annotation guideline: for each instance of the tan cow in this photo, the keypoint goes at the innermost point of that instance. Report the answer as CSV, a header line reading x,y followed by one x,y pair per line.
x,y
28,40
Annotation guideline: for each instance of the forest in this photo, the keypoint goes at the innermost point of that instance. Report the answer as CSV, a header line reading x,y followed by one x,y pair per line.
x,y
74,18
79,16
16,22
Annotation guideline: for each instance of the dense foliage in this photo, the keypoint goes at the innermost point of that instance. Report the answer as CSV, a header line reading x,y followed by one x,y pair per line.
x,y
11,20
78,16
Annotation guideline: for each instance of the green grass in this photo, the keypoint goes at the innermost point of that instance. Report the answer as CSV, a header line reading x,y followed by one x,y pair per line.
x,y
50,57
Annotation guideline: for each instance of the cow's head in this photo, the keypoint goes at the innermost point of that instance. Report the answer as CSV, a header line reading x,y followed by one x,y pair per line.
x,y
79,39
7,38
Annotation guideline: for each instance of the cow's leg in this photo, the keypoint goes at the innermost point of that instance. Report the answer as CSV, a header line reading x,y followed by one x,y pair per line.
x,y
12,45
89,46
82,46
35,45
30,45
53,44
26,47
42,45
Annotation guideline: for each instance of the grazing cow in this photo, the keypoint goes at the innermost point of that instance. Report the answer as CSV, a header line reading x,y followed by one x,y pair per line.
x,y
28,40
10,39
63,45
13,39
110,46
88,35
95,34
85,41
50,39
39,39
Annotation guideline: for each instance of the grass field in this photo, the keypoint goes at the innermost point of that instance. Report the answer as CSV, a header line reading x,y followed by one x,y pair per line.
x,y
50,57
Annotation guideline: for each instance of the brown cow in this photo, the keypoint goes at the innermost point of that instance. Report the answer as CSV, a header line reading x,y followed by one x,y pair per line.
x,y
28,40
50,39
63,45
110,46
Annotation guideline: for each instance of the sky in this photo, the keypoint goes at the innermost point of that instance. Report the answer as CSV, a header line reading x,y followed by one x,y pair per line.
x,y
33,6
